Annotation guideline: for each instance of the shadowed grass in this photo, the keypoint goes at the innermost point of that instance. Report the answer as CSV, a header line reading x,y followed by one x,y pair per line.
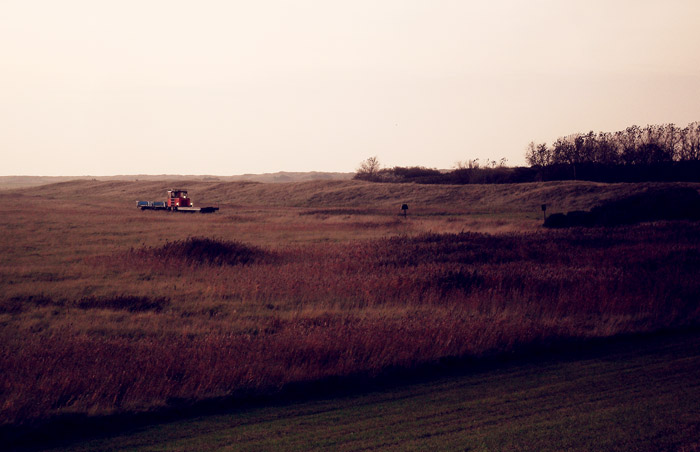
x,y
629,394
125,303
202,250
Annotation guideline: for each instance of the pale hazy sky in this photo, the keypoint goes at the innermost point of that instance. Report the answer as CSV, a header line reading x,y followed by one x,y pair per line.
x,y
91,87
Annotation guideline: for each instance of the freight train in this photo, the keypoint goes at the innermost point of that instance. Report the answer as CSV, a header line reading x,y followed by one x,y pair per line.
x,y
177,201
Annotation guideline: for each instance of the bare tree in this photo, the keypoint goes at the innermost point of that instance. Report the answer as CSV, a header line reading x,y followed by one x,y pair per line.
x,y
690,142
368,169
467,164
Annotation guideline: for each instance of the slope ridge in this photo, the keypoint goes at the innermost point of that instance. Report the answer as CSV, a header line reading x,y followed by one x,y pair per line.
x,y
559,196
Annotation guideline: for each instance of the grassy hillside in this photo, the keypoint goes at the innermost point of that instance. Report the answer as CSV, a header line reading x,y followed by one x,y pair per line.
x,y
14,182
512,198
108,309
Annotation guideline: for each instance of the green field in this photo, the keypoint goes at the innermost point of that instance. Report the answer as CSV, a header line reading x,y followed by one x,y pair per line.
x,y
640,394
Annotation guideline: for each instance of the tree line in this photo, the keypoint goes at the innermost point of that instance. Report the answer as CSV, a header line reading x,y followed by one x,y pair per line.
x,y
652,153
635,145
468,172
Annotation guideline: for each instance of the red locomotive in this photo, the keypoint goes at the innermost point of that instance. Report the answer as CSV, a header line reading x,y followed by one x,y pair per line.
x,y
177,199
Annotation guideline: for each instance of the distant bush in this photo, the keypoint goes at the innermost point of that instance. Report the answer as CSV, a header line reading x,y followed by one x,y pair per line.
x,y
202,250
681,171
417,174
676,203
497,175
459,176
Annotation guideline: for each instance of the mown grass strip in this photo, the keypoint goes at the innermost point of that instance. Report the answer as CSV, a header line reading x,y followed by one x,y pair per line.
x,y
641,394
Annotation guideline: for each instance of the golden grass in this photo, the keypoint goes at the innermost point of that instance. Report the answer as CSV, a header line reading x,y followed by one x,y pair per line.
x,y
100,312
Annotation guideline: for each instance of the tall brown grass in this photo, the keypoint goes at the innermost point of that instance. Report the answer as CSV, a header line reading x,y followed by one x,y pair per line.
x,y
107,310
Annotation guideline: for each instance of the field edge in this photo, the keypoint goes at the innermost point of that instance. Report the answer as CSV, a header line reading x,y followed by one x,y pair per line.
x,y
64,429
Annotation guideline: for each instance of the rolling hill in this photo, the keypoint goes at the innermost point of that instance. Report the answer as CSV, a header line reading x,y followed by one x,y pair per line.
x,y
528,197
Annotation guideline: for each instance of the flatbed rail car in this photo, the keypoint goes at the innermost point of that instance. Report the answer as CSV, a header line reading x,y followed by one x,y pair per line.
x,y
151,205
177,201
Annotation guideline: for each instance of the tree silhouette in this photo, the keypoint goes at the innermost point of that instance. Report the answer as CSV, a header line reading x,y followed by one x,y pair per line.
x,y
368,169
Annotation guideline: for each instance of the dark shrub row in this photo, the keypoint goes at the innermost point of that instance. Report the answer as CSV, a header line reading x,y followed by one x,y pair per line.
x,y
202,250
677,203
125,303
685,171
129,303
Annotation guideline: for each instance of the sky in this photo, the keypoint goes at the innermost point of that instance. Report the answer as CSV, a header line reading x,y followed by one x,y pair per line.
x,y
97,87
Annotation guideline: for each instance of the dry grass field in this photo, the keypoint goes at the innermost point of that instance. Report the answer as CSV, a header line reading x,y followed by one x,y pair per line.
x,y
108,309
623,394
